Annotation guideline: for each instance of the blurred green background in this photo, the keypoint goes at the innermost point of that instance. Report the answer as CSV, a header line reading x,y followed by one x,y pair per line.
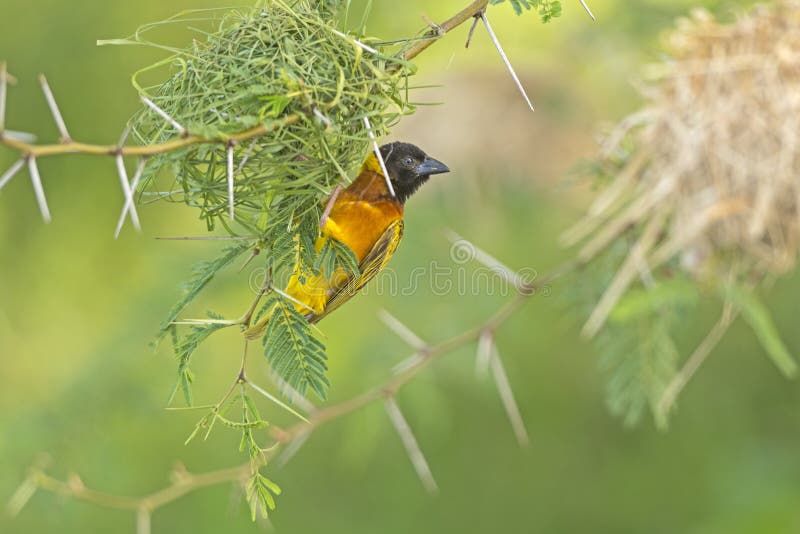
x,y
77,309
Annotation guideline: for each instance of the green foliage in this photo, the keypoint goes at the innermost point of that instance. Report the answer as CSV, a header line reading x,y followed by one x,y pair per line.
x,y
333,257
292,349
264,66
641,359
261,493
636,346
547,9
185,347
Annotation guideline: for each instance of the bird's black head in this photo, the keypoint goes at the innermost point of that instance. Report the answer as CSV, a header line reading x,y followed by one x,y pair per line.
x,y
409,167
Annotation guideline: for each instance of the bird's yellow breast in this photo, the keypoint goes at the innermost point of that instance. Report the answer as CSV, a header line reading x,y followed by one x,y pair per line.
x,y
359,224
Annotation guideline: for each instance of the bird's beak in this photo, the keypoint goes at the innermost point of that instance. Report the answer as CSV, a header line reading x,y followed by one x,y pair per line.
x,y
431,166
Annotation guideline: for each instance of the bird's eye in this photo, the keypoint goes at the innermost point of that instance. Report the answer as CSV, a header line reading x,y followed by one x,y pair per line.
x,y
408,161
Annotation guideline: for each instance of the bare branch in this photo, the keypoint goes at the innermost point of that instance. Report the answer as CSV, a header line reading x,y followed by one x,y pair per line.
x,y
153,149
51,103
293,437
434,34
505,59
412,447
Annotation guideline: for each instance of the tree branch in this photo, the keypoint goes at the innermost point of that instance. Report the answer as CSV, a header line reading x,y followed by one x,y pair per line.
x,y
184,482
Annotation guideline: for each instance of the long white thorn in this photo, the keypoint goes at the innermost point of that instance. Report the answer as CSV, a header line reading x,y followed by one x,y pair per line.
x,y
230,181
25,137
36,180
412,361
586,8
505,60
51,103
378,155
329,206
277,401
143,521
402,331
356,42
3,94
129,200
163,114
486,349
124,137
127,191
292,448
292,394
507,396
247,154
411,445
489,261
11,172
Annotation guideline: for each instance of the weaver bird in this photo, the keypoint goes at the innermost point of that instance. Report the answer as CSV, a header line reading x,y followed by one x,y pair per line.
x,y
369,220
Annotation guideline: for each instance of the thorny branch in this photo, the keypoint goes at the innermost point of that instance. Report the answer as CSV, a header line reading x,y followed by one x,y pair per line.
x,y
182,481
291,438
29,151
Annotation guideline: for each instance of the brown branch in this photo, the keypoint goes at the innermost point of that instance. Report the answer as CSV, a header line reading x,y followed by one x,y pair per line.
x,y
184,482
73,147
434,34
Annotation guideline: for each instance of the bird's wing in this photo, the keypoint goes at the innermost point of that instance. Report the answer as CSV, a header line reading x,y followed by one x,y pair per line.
x,y
374,261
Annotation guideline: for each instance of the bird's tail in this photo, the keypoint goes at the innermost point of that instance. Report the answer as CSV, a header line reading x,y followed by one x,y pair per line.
x,y
257,330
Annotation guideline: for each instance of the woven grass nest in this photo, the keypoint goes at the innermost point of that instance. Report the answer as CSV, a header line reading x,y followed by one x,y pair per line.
x,y
706,173
282,64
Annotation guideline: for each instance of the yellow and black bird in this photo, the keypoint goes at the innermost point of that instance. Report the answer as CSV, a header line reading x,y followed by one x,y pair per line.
x,y
369,220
